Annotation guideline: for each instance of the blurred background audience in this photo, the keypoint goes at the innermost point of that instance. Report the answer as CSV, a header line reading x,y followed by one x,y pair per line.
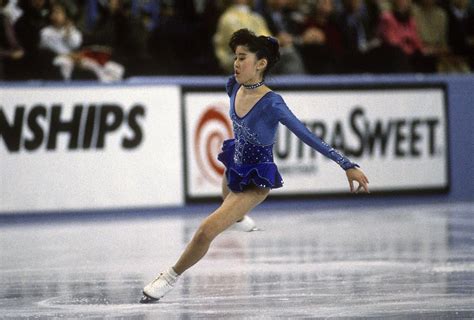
x,y
283,20
10,49
112,39
403,48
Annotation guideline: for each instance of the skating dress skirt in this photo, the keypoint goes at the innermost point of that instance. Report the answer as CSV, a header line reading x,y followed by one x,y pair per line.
x,y
248,164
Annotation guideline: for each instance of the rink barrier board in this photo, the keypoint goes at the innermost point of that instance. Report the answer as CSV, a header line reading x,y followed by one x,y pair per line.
x,y
459,95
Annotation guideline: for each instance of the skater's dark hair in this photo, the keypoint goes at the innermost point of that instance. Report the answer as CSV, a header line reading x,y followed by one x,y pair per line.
x,y
263,47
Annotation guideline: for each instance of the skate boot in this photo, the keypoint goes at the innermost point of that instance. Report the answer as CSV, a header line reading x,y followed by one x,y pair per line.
x,y
246,224
156,289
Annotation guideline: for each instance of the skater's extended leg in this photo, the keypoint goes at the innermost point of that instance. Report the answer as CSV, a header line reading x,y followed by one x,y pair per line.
x,y
234,208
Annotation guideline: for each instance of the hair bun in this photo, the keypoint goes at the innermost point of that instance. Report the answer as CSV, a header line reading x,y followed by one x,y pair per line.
x,y
273,48
272,40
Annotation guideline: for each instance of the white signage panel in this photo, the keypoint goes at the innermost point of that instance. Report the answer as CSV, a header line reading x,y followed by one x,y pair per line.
x,y
397,135
75,148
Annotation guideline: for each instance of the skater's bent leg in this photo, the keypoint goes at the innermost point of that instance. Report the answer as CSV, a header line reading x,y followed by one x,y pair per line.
x,y
226,191
234,208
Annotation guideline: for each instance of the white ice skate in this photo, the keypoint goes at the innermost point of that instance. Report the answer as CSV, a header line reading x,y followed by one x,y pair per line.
x,y
156,289
246,224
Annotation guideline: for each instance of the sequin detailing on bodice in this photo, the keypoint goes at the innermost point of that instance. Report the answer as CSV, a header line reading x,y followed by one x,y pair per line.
x,y
249,153
248,149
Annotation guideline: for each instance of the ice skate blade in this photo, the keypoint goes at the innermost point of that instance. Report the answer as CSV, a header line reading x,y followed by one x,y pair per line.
x,y
148,300
255,229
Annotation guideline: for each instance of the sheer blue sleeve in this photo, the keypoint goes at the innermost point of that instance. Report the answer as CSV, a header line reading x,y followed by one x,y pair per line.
x,y
286,117
229,87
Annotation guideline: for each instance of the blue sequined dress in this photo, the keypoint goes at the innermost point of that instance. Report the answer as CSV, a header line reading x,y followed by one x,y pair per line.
x,y
248,157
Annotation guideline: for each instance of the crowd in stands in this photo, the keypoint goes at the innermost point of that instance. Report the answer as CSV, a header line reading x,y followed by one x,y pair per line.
x,y
109,40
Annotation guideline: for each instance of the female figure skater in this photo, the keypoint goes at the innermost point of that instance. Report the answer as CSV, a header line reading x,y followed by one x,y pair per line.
x,y
255,111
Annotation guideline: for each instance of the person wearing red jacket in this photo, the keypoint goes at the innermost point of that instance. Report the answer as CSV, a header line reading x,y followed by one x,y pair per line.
x,y
399,35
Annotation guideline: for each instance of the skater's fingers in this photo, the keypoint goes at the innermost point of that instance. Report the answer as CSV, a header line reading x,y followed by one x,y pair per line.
x,y
351,185
364,185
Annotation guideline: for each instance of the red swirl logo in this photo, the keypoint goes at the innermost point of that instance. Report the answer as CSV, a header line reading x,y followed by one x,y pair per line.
x,y
212,129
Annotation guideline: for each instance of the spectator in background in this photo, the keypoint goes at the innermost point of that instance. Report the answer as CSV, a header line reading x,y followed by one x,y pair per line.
x,y
122,35
237,16
63,40
10,49
431,22
27,28
402,46
183,37
360,42
278,16
12,10
461,34
321,39
61,36
373,10
208,13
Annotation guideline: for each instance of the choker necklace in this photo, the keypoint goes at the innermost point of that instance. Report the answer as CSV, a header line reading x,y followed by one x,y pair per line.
x,y
255,85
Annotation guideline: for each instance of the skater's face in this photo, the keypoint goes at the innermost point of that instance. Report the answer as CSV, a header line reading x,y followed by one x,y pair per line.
x,y
248,68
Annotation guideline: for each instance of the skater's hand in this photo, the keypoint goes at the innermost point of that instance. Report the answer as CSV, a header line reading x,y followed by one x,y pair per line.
x,y
355,174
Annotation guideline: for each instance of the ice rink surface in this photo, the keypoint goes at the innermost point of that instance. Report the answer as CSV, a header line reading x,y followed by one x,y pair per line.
x,y
384,262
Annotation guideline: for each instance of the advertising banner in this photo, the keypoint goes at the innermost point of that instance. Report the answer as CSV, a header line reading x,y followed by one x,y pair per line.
x,y
397,135
90,147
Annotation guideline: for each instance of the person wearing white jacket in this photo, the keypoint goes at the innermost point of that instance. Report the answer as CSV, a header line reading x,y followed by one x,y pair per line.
x,y
64,39
61,37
